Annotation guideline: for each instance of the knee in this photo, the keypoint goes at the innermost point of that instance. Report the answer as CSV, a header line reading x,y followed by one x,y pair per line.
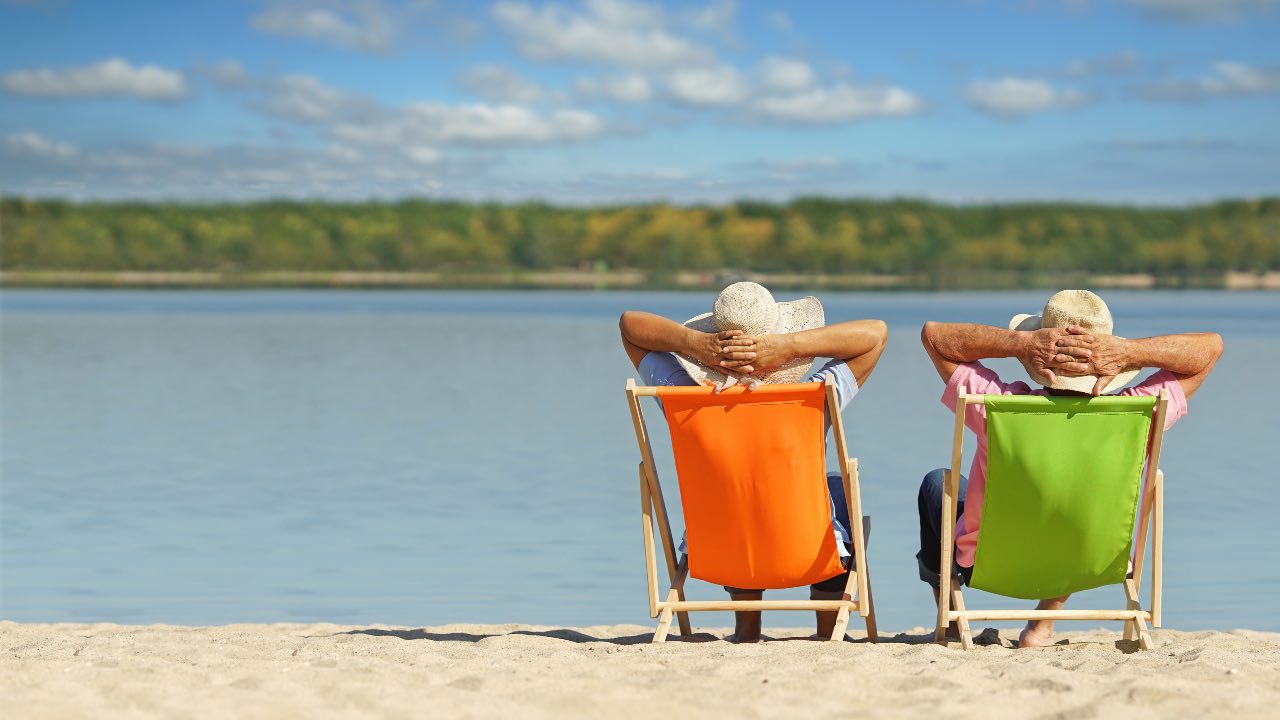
x,y
931,487
932,483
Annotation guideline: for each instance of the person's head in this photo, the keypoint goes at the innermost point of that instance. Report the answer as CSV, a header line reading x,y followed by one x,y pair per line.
x,y
1064,309
750,307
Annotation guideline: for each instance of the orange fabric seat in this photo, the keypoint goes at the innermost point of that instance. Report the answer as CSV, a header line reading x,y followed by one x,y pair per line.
x,y
751,467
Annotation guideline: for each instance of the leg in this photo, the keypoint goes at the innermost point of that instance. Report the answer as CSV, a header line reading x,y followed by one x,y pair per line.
x,y
835,588
746,623
1039,633
929,505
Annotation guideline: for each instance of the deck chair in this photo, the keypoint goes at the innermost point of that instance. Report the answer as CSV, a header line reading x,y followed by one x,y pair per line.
x,y
1065,478
751,467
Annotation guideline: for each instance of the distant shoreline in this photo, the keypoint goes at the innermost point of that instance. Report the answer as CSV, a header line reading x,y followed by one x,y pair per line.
x,y
613,280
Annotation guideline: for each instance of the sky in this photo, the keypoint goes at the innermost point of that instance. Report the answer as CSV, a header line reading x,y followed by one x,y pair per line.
x,y
602,101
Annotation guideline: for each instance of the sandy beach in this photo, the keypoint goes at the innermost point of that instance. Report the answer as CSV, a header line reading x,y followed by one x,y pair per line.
x,y
304,671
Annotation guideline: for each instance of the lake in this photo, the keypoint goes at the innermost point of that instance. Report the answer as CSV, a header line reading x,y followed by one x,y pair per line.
x,y
419,458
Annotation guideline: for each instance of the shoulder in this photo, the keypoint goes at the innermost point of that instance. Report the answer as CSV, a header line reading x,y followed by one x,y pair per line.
x,y
1162,380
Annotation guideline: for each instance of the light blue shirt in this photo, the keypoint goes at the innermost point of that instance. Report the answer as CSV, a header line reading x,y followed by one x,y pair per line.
x,y
658,369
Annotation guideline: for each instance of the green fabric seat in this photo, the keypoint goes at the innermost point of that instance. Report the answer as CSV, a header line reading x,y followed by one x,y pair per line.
x,y
1063,481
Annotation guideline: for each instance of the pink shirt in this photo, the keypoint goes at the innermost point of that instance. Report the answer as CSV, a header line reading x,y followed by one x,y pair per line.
x,y
977,379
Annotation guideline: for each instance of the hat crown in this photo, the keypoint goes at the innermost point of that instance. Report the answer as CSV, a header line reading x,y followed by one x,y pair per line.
x,y
1077,307
746,306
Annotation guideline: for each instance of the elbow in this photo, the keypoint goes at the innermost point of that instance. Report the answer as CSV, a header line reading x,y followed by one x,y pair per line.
x,y
881,331
625,321
927,333
1215,345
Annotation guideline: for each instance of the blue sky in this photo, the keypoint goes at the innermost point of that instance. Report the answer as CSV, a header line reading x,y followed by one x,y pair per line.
x,y
1147,101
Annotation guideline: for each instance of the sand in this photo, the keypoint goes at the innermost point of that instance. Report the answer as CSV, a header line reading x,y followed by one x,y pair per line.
x,y
518,671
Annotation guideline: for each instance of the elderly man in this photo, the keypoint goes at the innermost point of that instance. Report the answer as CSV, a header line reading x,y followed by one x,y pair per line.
x,y
750,338
1068,350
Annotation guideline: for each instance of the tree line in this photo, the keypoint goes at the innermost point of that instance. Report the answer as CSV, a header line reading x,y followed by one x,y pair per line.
x,y
807,235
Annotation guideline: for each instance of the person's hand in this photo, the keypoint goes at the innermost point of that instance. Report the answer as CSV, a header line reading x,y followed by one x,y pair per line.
x,y
766,352
724,351
1041,350
1083,353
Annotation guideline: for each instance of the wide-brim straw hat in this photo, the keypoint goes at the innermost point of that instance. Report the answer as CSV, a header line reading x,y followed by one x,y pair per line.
x,y
750,307
1066,308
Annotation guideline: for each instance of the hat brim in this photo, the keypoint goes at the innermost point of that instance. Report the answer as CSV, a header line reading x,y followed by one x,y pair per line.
x,y
793,316
1076,383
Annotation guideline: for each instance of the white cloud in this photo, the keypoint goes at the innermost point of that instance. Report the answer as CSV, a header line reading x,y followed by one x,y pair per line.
x,y
1117,64
718,16
228,74
625,33
717,85
357,24
1229,80
36,145
1012,97
500,84
632,87
303,97
112,77
426,123
1204,11
424,155
779,20
840,103
785,74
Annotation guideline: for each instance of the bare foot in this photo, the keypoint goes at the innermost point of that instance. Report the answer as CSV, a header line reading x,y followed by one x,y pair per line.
x,y
1037,633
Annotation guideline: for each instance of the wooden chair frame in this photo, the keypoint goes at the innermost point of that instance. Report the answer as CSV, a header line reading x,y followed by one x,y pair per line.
x,y
1151,513
654,508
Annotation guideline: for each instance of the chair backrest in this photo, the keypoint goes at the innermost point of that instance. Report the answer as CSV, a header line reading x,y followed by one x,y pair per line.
x,y
1063,481
751,468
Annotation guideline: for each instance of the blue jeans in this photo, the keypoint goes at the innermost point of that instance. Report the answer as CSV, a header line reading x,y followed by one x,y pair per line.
x,y
929,504
840,515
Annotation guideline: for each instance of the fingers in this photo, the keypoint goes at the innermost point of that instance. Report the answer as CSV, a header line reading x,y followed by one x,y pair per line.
x,y
1050,376
1072,368
1077,330
1074,341
742,366
736,355
1101,386
1063,358
729,334
737,341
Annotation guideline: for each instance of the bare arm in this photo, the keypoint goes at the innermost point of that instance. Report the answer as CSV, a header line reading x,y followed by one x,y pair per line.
x,y
859,343
643,333
1189,356
950,344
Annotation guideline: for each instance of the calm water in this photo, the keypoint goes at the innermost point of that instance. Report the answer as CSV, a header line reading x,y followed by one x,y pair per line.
x,y
429,457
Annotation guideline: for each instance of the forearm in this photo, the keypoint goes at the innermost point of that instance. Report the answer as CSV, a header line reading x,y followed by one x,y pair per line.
x,y
841,341
654,333
1183,354
967,342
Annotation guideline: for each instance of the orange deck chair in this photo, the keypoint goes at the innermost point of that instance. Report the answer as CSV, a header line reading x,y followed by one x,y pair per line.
x,y
752,469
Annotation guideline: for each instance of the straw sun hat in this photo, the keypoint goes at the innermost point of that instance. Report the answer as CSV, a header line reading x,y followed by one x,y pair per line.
x,y
749,307
1066,308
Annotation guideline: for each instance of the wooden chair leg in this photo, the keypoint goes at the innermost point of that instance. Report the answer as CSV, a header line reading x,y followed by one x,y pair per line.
x,y
664,619
957,600
664,626
1140,626
872,635
842,625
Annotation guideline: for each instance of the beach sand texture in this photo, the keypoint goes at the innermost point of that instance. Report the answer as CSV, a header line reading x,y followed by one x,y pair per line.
x,y
518,671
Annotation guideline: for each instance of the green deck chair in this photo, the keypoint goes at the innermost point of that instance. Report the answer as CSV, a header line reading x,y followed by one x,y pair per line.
x,y
1065,480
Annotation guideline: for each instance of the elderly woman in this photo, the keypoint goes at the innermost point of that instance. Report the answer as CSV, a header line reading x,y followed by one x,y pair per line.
x,y
750,338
